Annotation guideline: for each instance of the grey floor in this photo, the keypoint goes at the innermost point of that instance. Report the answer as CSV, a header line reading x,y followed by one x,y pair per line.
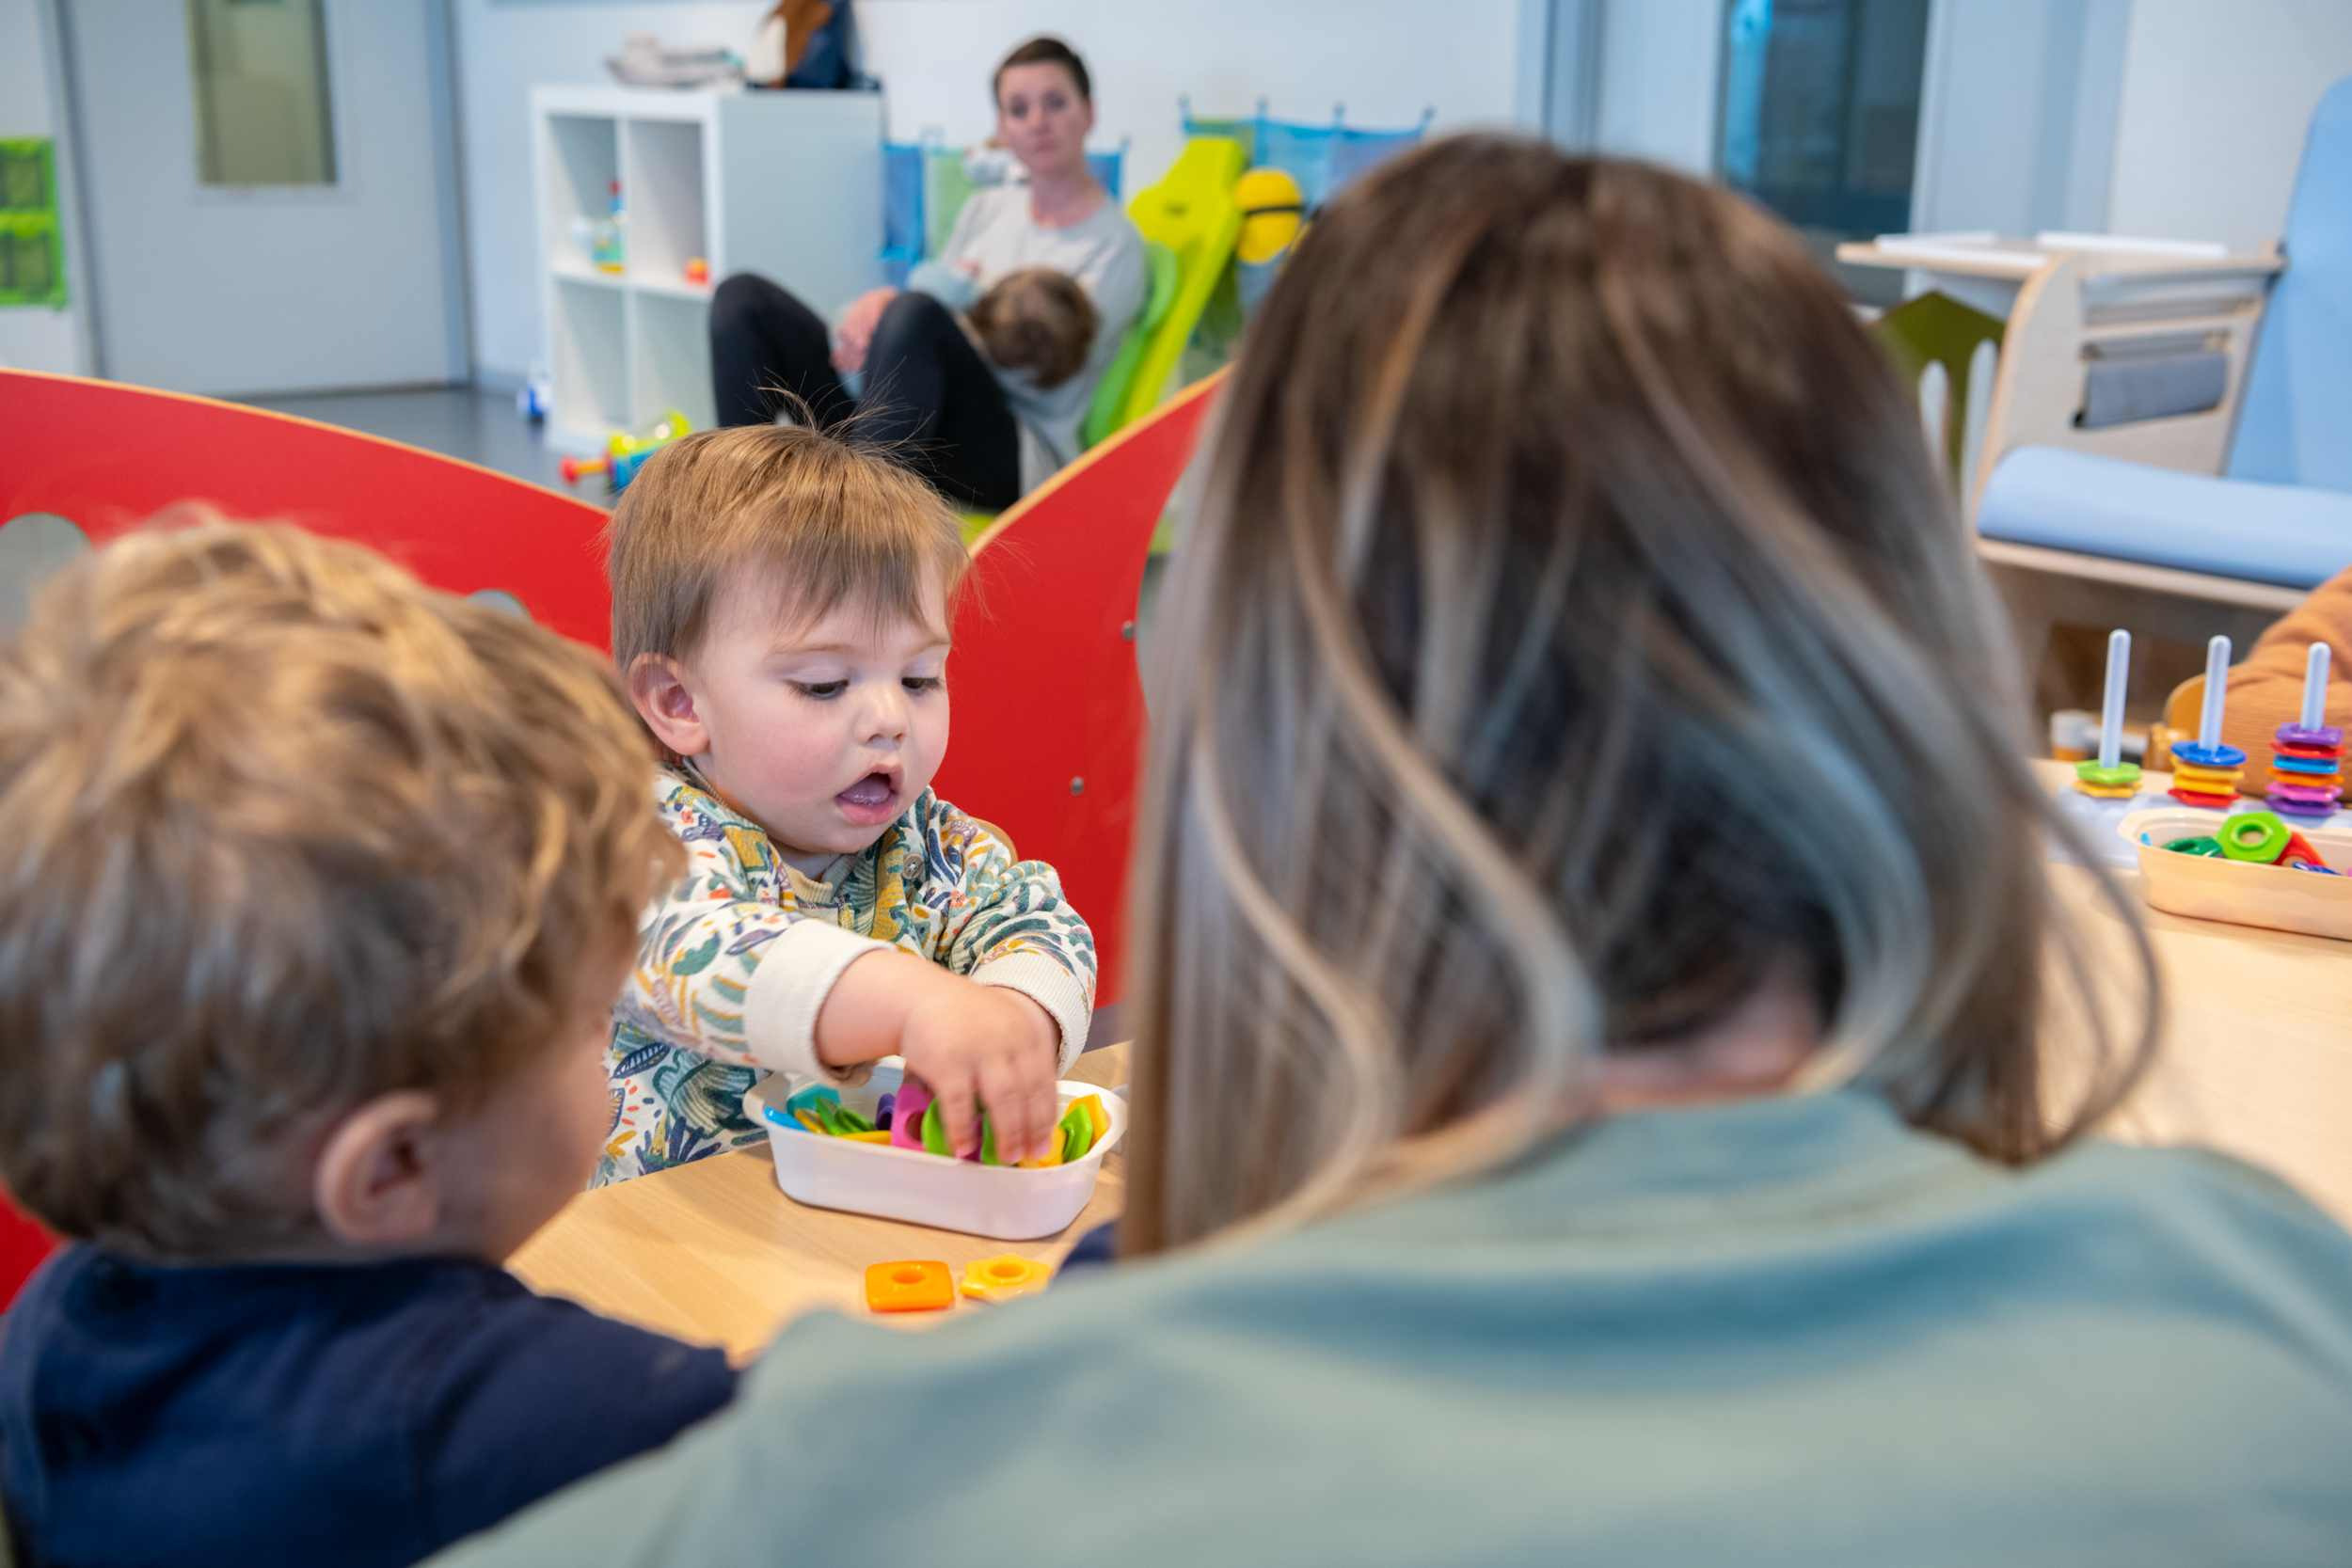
x,y
456,421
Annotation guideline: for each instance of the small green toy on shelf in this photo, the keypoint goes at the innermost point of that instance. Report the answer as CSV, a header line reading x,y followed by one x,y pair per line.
x,y
32,247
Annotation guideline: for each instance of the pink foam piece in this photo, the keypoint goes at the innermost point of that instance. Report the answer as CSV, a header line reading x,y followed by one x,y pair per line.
x,y
906,1118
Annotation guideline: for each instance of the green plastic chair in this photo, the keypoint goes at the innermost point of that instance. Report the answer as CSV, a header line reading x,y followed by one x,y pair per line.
x,y
1936,329
1109,411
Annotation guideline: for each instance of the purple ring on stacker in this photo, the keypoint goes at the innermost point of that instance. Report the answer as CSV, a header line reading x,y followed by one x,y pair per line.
x,y
2323,806
2296,735
2209,756
2294,791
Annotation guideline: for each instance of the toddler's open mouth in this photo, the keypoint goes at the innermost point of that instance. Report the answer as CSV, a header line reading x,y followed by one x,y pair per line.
x,y
873,799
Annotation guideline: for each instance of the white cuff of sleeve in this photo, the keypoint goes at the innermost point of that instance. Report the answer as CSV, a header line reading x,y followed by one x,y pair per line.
x,y
788,990
1051,986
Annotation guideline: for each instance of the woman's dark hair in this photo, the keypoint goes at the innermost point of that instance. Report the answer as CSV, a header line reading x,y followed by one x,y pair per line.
x,y
1044,49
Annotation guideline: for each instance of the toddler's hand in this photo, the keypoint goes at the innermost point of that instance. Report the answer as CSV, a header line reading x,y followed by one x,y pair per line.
x,y
968,1040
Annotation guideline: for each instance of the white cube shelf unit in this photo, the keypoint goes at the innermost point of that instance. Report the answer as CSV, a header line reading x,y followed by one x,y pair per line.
x,y
783,183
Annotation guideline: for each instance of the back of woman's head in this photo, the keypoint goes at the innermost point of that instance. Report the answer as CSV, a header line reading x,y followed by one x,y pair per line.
x,y
1572,637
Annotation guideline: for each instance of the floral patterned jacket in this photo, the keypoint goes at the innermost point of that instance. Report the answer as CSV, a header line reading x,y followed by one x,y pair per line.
x,y
735,963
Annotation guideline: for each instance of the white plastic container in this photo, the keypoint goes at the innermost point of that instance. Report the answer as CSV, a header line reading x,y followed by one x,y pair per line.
x,y
2209,887
1002,1201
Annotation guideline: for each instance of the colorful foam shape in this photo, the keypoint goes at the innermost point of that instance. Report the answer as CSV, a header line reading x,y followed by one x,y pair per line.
x,y
1077,1131
2221,756
2299,848
2257,837
2303,803
2097,780
935,1130
913,1285
906,1119
1005,1276
2216,778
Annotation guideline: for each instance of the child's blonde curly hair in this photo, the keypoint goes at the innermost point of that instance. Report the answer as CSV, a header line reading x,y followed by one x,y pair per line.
x,y
288,830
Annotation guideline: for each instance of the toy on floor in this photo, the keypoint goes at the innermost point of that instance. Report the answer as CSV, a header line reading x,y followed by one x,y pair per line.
x,y
535,396
2110,777
1005,1276
625,453
2206,772
915,1285
2307,758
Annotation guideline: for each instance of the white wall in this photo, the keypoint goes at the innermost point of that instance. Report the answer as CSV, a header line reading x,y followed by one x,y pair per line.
x,y
2215,99
1386,59
2017,116
35,337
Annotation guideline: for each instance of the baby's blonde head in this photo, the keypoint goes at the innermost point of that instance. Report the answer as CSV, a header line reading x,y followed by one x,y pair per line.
x,y
1575,637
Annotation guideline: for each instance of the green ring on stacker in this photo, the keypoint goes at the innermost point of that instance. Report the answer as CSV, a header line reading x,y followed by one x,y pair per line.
x,y
2107,778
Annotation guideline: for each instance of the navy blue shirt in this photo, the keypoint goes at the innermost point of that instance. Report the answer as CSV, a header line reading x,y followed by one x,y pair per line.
x,y
358,1415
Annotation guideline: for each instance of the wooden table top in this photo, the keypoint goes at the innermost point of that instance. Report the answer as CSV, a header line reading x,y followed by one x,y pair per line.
x,y
714,1252
2256,1060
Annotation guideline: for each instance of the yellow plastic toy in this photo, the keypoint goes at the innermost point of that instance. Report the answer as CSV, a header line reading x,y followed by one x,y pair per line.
x,y
1193,213
1005,1276
1093,1105
1051,1157
1273,211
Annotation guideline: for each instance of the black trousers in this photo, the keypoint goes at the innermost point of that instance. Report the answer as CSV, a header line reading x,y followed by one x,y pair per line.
x,y
927,392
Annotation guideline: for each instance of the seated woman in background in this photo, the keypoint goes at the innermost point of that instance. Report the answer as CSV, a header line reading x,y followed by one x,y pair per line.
x,y
983,433
1593,1096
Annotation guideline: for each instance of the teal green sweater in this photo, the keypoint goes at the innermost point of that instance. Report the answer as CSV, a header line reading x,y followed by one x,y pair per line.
x,y
1788,1331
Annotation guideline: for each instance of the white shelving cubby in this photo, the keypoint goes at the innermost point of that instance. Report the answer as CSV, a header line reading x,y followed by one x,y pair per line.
x,y
783,183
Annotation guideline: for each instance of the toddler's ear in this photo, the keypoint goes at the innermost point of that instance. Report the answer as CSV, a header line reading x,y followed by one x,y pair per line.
x,y
377,1183
663,701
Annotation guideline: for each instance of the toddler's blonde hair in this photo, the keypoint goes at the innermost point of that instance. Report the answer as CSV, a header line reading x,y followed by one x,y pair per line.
x,y
814,519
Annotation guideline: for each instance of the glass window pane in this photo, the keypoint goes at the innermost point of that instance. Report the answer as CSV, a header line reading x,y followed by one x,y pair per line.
x,y
1820,112
263,112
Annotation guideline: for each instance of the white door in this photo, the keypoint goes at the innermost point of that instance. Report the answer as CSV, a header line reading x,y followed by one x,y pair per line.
x,y
270,192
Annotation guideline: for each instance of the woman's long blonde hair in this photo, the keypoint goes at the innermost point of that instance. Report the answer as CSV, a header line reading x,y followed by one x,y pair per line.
x,y
1573,631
